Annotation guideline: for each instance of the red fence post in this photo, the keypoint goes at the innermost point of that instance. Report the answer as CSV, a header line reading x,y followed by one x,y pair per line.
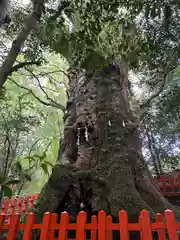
x,y
63,226
109,234
123,225
172,180
14,222
178,180
53,222
161,232
28,226
2,219
45,226
94,231
24,209
101,225
141,234
13,208
2,210
163,185
9,210
146,225
171,225
6,204
19,205
31,204
80,229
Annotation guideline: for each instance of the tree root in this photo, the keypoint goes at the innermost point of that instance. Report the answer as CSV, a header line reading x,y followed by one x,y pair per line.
x,y
83,185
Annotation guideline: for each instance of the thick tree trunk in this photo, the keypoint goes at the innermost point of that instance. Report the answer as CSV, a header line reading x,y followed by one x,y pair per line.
x,y
106,169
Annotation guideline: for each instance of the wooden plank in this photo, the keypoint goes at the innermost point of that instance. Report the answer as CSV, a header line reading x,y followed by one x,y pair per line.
x,y
53,223
171,225
45,226
161,232
31,204
101,225
80,229
163,185
63,226
141,233
178,180
28,226
2,219
109,234
13,226
123,225
172,184
146,225
94,231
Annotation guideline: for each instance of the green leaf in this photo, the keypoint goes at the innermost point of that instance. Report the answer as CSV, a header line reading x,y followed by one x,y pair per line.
x,y
7,191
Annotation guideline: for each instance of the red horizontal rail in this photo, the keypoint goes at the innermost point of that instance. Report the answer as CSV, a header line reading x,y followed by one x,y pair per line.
x,y
170,187
100,227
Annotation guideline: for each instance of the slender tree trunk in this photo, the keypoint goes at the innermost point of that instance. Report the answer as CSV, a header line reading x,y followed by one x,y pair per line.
x,y
151,149
156,151
106,168
30,24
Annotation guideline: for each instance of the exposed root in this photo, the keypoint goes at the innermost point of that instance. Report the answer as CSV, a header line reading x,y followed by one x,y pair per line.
x,y
72,190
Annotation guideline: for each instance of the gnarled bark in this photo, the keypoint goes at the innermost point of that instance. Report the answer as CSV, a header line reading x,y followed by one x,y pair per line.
x,y
102,145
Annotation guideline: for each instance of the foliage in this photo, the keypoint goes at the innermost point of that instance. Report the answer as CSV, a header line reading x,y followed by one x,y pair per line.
x,y
32,128
163,120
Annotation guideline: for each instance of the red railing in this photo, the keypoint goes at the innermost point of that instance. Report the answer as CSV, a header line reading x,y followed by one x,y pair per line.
x,y
170,186
100,228
19,204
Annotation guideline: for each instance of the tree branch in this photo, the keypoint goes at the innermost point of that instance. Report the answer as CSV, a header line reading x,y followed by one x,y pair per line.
x,y
23,64
147,103
56,105
7,157
17,45
45,93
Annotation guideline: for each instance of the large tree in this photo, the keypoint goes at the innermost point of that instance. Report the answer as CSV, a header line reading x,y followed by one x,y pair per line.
x,y
101,165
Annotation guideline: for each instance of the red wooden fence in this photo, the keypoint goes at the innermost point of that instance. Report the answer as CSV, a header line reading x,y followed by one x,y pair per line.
x,y
19,204
170,186
101,227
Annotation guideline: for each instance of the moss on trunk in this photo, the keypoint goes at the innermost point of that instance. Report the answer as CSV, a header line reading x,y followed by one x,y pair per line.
x,y
106,168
